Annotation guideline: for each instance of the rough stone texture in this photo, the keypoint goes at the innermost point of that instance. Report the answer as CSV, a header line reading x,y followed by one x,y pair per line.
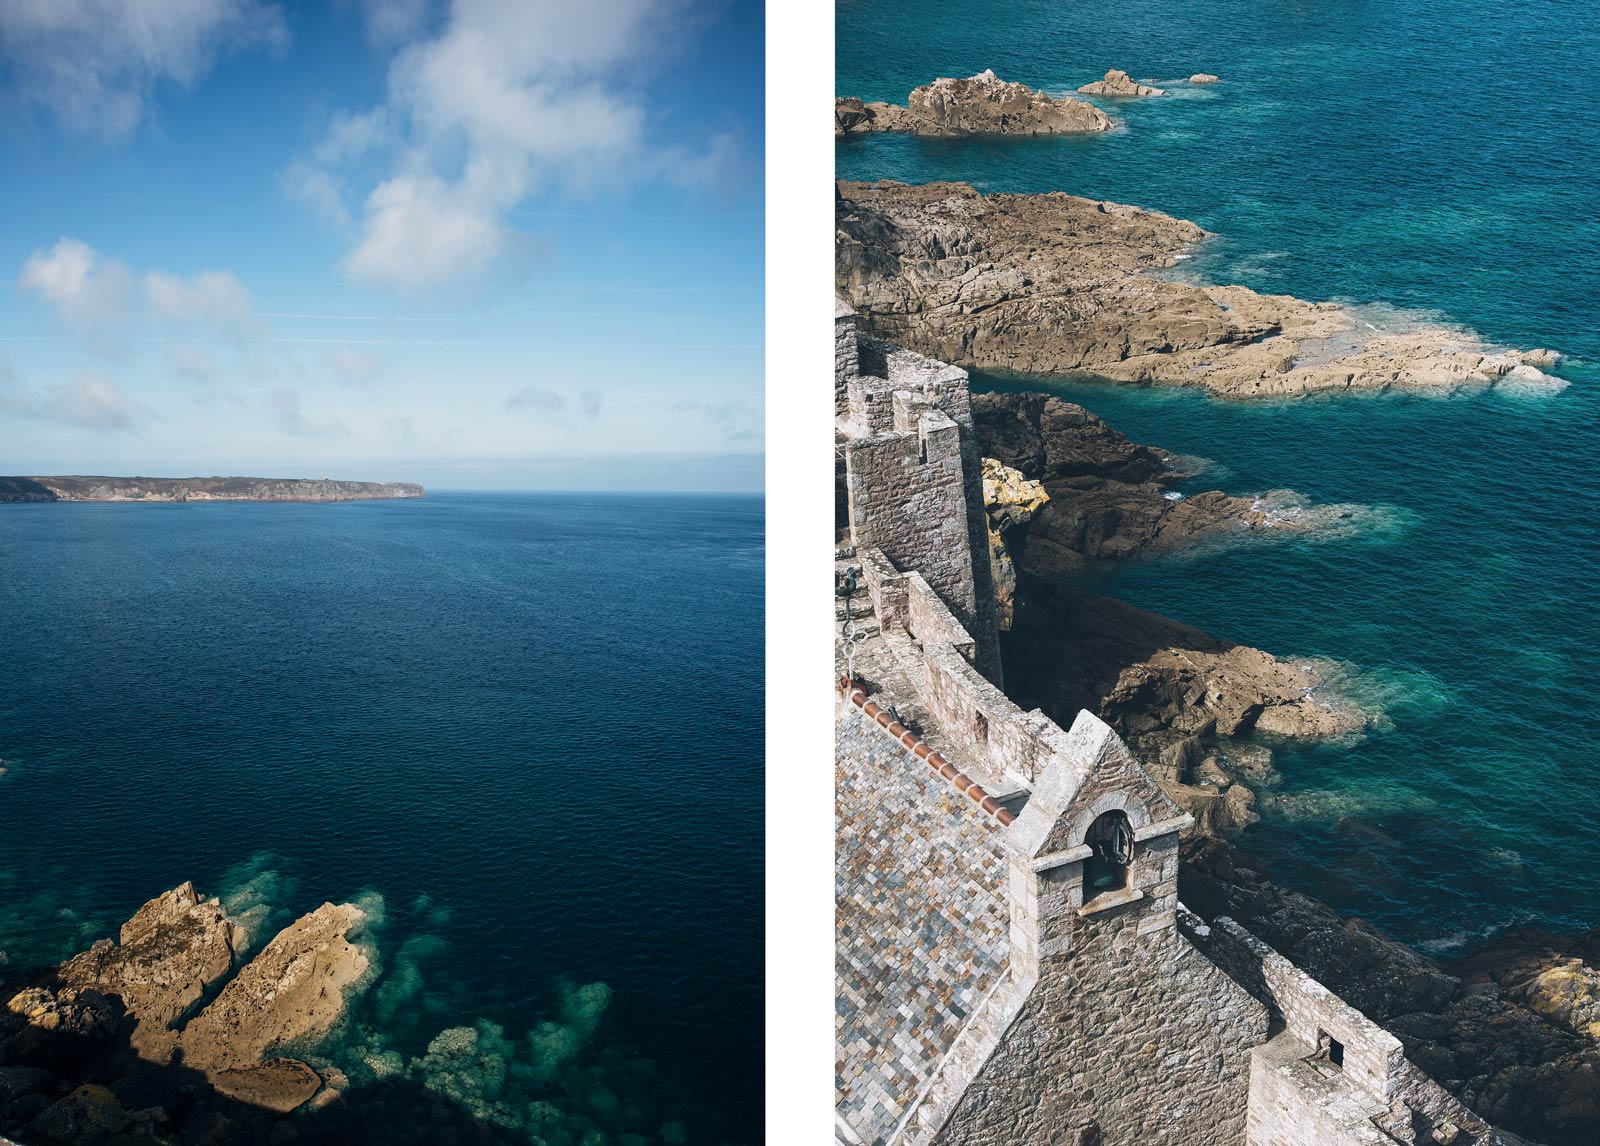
x,y
170,951
1118,83
1204,78
293,991
909,458
1503,1059
1057,286
981,105
1138,1035
921,922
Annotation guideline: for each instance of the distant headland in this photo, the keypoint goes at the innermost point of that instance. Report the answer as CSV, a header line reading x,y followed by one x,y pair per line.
x,y
77,488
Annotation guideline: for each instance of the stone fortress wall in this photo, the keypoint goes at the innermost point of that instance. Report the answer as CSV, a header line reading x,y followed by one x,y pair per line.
x,y
1119,1017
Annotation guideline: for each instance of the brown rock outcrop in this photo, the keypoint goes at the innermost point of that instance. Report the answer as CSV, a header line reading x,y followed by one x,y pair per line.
x,y
292,992
173,948
1204,78
983,104
1118,83
1185,702
1059,286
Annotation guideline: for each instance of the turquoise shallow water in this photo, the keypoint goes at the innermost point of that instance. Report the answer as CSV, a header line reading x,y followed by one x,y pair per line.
x,y
486,717
1395,156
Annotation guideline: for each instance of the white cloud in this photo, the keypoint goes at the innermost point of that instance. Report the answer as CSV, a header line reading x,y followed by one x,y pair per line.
x,y
419,230
92,401
509,97
355,366
291,419
193,365
736,420
537,400
97,297
390,22
95,65
89,292
212,299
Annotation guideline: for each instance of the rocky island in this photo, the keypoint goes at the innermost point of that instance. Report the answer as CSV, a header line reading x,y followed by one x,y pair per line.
x,y
1119,83
199,489
1056,286
981,105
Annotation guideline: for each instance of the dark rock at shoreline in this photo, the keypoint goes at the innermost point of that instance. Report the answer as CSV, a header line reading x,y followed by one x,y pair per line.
x,y
983,104
1184,701
99,1045
1111,498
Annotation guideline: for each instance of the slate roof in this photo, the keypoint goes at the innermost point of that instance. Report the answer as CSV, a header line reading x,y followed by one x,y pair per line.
x,y
921,921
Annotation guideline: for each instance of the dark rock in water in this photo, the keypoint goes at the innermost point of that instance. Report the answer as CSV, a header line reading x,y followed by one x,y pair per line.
x,y
89,1114
1179,697
1110,498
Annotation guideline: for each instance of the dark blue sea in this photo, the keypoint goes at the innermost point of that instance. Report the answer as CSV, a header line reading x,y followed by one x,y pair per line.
x,y
524,730
1429,162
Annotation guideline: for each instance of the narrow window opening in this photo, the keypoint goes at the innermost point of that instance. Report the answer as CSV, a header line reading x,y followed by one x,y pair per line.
x,y
980,726
1110,839
922,450
1330,1048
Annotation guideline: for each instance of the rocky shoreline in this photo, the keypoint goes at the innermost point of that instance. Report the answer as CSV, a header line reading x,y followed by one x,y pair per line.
x,y
169,1035
1512,1029
1059,286
36,489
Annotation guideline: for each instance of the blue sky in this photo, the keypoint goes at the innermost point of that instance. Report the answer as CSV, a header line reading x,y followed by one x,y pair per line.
x,y
479,244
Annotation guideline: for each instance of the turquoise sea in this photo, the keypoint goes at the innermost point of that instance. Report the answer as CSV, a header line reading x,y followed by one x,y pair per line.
x,y
1429,162
523,730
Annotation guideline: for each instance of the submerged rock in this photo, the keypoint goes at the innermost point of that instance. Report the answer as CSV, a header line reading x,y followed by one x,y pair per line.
x,y
983,104
1055,285
1118,83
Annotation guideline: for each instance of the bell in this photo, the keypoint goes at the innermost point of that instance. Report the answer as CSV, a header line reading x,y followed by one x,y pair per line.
x,y
1105,880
